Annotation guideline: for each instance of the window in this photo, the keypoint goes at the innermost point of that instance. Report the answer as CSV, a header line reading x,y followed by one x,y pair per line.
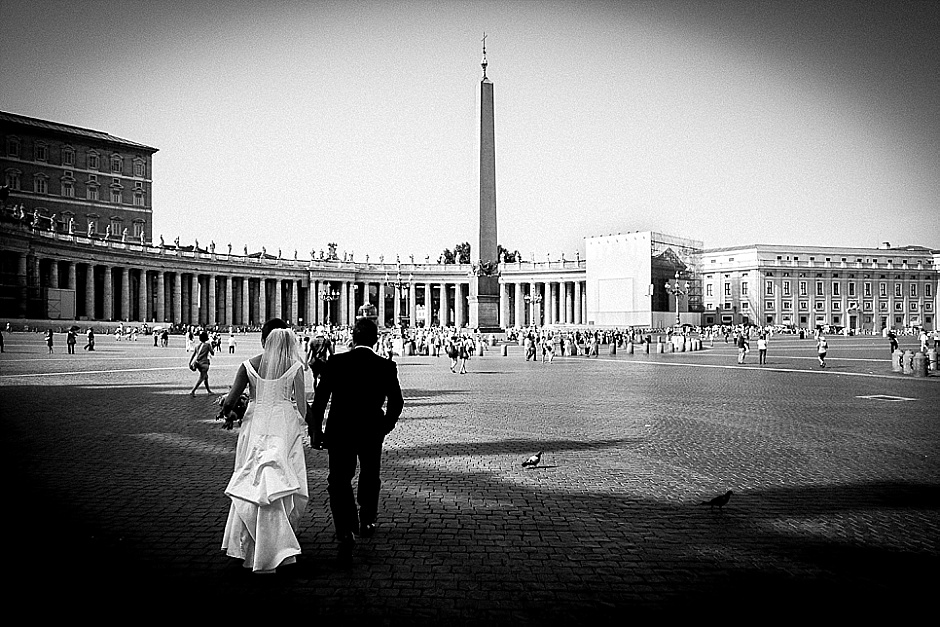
x,y
116,196
91,192
743,288
68,189
819,288
139,185
727,289
786,288
927,290
42,153
768,304
899,306
913,290
727,305
928,306
883,289
851,289
820,305
117,226
867,291
92,225
92,161
138,199
882,306
867,305
897,290
13,147
787,305
92,178
802,288
115,163
769,288
708,290
68,156
836,305
40,184
13,179
913,306
836,289
139,169
138,228
804,305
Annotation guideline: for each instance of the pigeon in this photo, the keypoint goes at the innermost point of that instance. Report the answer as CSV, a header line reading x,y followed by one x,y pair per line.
x,y
720,500
533,461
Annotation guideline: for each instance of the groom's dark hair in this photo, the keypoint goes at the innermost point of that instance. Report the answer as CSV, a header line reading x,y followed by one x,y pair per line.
x,y
365,333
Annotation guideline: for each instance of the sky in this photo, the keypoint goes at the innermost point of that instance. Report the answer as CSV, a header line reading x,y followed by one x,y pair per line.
x,y
290,124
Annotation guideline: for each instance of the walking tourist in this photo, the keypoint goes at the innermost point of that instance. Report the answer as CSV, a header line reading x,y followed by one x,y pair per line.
x,y
231,343
743,347
49,339
268,487
762,349
822,347
70,341
200,362
464,346
319,351
356,383
90,346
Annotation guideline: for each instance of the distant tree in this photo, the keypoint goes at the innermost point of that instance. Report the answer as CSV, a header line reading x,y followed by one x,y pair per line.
x,y
462,251
505,255
460,254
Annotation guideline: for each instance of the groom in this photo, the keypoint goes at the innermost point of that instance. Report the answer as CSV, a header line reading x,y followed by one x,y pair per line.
x,y
359,383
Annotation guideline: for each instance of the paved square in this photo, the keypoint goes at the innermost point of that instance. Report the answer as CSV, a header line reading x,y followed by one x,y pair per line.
x,y
119,477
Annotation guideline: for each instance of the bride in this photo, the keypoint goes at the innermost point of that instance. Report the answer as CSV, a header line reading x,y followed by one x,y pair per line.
x,y
268,487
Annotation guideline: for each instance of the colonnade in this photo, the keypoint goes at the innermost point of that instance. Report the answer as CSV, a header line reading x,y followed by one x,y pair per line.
x,y
216,296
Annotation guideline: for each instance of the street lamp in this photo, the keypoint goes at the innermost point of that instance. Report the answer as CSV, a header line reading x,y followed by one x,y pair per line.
x,y
678,290
399,286
328,296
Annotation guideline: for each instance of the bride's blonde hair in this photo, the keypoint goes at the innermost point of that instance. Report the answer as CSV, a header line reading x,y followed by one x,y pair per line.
x,y
281,351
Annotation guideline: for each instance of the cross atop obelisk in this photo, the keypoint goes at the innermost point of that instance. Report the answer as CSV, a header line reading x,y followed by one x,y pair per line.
x,y
484,287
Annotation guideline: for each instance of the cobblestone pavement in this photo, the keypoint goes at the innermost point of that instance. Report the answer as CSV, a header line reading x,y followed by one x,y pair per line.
x,y
118,506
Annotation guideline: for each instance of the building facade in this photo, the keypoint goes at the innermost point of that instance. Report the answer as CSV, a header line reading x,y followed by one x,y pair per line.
x,y
76,179
865,289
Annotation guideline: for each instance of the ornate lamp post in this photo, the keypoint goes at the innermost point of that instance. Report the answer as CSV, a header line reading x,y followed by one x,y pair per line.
x,y
678,290
400,286
533,299
327,296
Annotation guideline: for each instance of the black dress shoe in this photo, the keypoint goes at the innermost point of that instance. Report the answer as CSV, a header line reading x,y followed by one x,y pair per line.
x,y
367,531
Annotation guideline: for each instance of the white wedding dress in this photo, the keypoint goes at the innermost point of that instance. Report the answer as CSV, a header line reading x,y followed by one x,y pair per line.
x,y
269,485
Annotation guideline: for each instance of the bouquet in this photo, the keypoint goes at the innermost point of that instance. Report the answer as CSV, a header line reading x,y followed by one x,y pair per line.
x,y
236,413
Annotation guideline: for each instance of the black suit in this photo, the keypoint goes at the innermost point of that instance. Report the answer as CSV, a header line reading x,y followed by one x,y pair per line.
x,y
359,382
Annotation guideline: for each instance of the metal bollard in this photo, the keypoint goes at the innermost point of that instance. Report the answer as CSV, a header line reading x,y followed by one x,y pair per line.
x,y
629,348
919,364
932,358
907,361
613,348
659,347
896,358
504,351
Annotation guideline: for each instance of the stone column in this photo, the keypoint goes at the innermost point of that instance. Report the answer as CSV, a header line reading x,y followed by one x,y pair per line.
x,y
458,305
228,318
445,306
343,302
212,316
72,276
142,299
313,301
380,305
262,302
125,293
160,314
177,297
278,311
89,291
396,306
294,300
53,274
566,303
107,312
549,302
520,303
532,291
503,306
194,292
245,309
413,304
576,303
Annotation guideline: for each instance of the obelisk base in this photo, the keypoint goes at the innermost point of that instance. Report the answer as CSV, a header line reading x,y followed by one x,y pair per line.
x,y
484,313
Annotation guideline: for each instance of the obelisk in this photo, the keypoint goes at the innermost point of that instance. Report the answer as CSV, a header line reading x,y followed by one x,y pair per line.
x,y
484,287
